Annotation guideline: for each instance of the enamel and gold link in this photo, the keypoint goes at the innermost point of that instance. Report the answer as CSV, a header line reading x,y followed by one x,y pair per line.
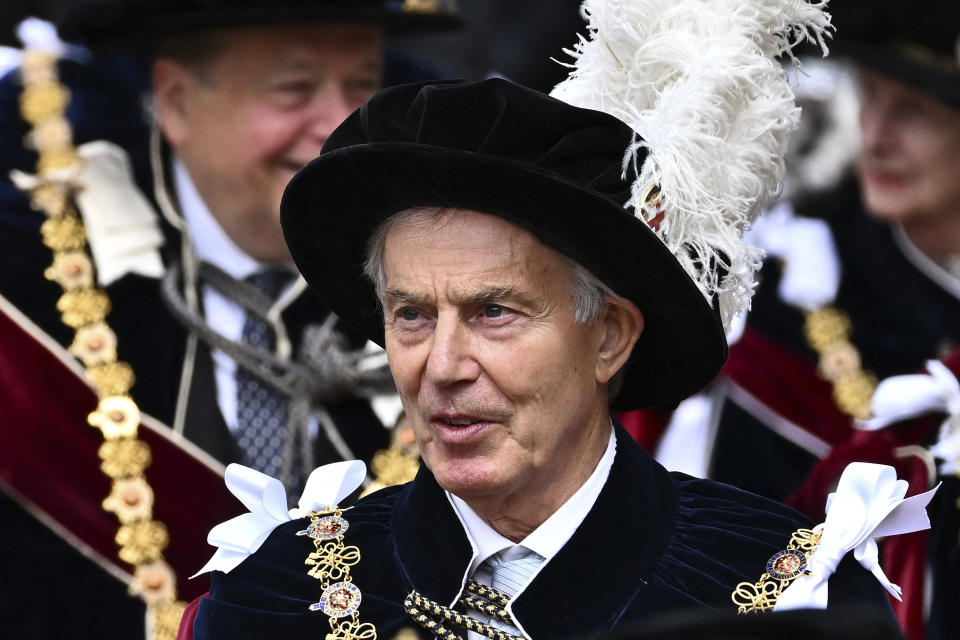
x,y
782,568
330,563
828,332
84,308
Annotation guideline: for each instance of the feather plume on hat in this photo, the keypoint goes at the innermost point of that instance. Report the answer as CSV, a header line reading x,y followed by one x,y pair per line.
x,y
699,82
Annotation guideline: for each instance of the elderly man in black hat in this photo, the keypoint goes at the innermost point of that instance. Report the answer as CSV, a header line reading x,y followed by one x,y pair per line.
x,y
226,346
484,242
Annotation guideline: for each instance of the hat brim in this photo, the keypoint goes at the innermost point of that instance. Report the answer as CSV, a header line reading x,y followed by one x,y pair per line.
x,y
894,61
127,30
332,206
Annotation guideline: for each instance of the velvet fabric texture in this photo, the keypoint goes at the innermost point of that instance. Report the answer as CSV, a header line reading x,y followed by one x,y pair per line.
x,y
654,542
499,148
836,624
49,461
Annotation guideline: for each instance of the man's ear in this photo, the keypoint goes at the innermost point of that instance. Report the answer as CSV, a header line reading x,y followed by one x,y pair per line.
x,y
621,324
173,84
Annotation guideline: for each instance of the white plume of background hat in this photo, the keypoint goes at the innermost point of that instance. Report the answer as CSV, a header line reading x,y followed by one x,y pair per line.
x,y
699,82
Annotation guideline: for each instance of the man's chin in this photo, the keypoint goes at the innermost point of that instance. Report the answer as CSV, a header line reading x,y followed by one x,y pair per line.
x,y
468,481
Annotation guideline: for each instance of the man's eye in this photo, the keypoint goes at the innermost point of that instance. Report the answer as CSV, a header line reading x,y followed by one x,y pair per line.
x,y
493,311
409,314
370,84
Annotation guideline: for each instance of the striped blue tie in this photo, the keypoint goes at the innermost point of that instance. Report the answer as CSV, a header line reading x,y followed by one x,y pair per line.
x,y
509,571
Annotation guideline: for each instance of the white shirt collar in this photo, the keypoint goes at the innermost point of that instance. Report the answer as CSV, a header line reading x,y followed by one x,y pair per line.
x,y
210,242
549,537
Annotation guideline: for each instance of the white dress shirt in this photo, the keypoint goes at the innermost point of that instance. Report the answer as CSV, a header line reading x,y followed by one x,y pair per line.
x,y
226,317
547,539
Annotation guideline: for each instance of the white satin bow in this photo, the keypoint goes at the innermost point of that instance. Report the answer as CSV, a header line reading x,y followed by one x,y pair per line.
x,y
811,271
121,226
238,538
904,397
869,503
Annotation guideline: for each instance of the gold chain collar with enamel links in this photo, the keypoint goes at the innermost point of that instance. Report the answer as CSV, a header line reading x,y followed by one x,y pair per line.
x,y
330,563
782,569
84,308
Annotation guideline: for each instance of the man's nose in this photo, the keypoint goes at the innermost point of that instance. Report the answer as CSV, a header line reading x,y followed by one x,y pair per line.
x,y
875,125
452,354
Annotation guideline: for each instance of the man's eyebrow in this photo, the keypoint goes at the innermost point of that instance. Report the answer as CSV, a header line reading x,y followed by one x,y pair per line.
x,y
400,296
477,296
492,294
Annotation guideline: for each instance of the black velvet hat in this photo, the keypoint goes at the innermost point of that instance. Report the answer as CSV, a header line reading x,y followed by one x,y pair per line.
x,y
139,24
497,147
915,42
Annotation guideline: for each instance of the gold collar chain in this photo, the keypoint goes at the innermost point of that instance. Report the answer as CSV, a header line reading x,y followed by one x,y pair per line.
x,y
827,331
84,308
330,563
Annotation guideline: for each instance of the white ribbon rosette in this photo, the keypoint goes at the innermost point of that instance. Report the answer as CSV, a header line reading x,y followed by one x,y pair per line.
x,y
905,397
868,504
238,538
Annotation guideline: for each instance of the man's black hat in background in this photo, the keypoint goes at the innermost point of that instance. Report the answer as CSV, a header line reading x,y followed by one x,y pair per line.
x,y
140,24
500,148
917,42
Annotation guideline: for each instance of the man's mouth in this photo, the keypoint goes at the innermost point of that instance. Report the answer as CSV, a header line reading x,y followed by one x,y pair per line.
x,y
458,422
884,175
462,429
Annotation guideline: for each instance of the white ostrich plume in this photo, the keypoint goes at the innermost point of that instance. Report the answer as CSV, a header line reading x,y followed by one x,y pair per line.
x,y
699,82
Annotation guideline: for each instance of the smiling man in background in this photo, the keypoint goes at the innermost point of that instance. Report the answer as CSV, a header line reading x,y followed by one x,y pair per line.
x,y
206,306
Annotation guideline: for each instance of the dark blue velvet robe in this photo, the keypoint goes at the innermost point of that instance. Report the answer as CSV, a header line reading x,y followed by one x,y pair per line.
x,y
654,542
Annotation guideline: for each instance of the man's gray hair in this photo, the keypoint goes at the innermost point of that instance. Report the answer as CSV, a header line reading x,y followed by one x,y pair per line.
x,y
588,291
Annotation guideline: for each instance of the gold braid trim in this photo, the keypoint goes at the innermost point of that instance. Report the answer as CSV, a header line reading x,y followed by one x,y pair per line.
x,y
330,564
84,308
480,598
827,331
782,568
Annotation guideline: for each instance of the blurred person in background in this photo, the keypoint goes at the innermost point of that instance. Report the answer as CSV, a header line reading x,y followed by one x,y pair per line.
x,y
206,307
861,284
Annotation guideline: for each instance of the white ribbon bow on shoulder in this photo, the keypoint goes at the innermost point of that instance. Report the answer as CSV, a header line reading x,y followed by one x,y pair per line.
x,y
238,538
869,503
910,396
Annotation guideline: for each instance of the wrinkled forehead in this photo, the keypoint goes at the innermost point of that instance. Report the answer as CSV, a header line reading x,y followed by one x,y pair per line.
x,y
463,242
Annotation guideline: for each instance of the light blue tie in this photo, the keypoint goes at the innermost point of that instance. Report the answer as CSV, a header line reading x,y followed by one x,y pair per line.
x,y
508,571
